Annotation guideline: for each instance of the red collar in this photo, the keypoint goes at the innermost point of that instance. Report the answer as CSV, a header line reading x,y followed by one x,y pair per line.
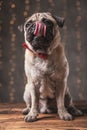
x,y
40,55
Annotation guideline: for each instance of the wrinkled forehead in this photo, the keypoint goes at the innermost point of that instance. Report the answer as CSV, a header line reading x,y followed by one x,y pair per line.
x,y
40,16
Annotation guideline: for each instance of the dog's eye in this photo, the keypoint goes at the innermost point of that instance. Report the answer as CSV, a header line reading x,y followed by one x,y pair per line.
x,y
28,24
47,22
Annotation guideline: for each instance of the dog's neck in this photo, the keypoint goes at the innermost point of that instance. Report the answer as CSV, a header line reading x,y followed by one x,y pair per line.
x,y
40,55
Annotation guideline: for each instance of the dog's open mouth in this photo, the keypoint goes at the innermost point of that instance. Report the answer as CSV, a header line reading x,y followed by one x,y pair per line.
x,y
39,35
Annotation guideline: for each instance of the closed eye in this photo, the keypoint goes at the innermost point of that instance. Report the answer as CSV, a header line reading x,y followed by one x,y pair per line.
x,y
47,22
28,23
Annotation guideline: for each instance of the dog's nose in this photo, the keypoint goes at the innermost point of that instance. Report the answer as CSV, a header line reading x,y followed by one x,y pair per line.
x,y
40,29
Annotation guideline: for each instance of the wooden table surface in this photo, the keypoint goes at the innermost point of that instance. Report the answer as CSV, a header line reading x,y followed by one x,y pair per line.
x,y
11,118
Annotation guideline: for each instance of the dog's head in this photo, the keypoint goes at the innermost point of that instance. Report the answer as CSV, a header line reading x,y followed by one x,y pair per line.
x,y
42,33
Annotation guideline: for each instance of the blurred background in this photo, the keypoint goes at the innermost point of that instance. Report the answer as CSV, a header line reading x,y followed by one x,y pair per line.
x,y
74,38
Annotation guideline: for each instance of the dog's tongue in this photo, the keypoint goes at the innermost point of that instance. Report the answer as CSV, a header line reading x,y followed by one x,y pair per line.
x,y
40,29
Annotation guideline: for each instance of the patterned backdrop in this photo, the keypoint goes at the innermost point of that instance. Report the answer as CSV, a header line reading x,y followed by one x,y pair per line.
x,y
74,38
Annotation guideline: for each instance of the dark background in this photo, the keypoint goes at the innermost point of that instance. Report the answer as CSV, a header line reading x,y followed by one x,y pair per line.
x,y
74,38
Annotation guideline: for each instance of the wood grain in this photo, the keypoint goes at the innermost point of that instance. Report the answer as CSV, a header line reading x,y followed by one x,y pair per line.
x,y
11,118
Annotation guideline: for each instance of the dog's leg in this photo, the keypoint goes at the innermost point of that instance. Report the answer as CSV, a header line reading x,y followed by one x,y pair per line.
x,y
70,106
32,115
27,99
60,95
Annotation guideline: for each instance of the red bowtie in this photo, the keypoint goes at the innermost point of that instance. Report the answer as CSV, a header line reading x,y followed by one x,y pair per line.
x,y
40,55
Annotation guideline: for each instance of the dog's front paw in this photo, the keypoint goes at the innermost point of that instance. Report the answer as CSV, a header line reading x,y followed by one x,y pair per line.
x,y
64,115
32,116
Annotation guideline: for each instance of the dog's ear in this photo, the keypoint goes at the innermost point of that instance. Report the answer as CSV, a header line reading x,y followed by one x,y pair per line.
x,y
21,28
60,21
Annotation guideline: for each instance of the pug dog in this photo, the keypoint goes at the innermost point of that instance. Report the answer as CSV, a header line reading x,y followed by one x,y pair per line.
x,y
46,69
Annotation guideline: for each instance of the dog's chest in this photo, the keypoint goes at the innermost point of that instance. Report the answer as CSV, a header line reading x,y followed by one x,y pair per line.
x,y
42,68
41,73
